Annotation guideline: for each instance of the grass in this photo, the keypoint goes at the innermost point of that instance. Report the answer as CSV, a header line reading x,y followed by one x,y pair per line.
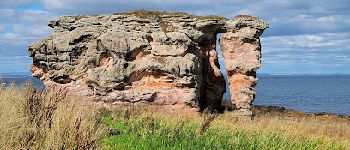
x,y
57,120
46,120
151,129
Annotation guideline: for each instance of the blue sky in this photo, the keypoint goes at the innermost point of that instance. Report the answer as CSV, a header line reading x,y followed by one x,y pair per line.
x,y
305,36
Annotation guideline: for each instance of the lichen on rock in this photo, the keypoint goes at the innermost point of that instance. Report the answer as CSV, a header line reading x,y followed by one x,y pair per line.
x,y
150,57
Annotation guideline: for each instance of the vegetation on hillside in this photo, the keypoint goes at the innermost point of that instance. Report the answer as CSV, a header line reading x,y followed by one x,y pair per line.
x,y
55,120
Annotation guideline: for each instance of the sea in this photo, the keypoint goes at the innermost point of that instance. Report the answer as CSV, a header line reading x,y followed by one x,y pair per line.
x,y
307,93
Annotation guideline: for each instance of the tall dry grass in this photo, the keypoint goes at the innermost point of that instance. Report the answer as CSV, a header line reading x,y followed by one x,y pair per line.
x,y
46,120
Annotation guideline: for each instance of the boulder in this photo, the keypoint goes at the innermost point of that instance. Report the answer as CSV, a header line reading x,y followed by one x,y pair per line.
x,y
151,57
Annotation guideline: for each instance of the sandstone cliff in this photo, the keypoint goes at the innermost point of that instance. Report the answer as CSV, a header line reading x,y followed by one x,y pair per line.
x,y
151,57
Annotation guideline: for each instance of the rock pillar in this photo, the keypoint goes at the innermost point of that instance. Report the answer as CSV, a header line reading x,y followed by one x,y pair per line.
x,y
242,52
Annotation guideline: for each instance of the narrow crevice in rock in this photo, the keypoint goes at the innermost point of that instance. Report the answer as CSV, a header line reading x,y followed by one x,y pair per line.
x,y
227,94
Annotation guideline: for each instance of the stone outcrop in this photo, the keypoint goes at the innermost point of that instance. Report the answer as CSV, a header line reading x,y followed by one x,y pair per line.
x,y
241,48
149,57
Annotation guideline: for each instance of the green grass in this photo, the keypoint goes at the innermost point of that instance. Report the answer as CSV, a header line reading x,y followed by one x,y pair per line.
x,y
147,131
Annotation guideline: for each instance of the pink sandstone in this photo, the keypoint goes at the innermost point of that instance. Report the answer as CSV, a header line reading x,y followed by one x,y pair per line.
x,y
149,57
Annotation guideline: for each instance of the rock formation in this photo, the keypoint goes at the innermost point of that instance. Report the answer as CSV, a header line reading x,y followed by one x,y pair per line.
x,y
149,57
242,51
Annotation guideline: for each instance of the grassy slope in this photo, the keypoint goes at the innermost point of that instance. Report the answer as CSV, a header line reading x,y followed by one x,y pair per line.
x,y
56,121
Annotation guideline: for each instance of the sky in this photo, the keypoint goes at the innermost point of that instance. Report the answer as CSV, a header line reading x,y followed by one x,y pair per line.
x,y
305,36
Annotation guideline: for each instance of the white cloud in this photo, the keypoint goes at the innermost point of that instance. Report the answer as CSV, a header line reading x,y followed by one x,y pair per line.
x,y
17,2
22,1
246,12
14,3
38,31
37,16
9,36
343,58
3,27
321,41
320,22
7,13
18,15
13,39
23,25
306,53
54,4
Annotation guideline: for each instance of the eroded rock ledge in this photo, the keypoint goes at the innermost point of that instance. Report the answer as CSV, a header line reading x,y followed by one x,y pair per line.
x,y
152,57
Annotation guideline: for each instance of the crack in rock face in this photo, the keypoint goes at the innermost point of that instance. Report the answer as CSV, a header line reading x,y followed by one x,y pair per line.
x,y
151,57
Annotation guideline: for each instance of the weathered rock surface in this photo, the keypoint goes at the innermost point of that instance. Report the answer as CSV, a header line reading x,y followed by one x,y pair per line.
x,y
151,57
242,51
